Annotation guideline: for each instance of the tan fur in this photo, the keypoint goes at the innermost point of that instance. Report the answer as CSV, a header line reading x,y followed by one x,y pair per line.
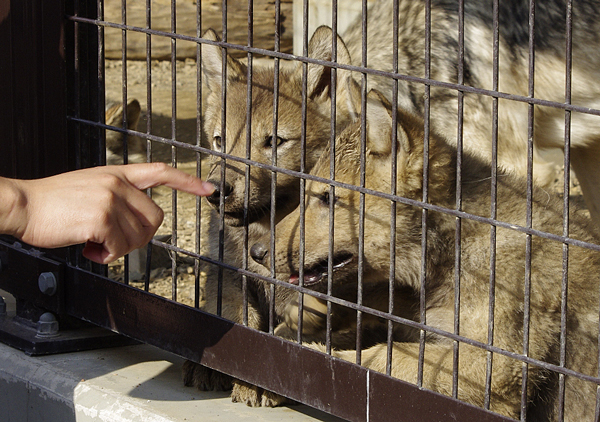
x,y
233,139
136,148
546,267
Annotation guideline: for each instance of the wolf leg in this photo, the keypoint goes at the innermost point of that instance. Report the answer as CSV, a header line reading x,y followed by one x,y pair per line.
x,y
232,308
254,396
204,378
207,379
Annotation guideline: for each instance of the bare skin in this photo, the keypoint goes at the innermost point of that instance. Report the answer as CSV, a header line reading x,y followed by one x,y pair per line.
x,y
103,207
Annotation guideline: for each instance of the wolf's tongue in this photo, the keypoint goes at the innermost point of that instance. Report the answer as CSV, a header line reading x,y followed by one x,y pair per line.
x,y
309,279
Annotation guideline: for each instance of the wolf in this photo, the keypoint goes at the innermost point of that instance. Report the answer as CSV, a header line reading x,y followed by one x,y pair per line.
x,y
547,82
509,306
258,139
136,148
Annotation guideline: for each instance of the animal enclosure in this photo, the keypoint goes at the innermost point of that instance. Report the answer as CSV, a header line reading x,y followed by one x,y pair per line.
x,y
394,235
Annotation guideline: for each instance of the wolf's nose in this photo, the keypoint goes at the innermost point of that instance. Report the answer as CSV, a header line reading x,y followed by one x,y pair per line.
x,y
214,198
258,252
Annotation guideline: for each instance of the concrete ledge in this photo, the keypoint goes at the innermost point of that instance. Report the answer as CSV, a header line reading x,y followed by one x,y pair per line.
x,y
135,383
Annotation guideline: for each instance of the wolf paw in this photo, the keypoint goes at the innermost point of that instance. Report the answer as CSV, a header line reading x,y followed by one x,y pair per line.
x,y
204,379
255,396
284,331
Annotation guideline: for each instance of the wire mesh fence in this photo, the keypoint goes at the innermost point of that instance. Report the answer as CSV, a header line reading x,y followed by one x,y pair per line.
x,y
387,193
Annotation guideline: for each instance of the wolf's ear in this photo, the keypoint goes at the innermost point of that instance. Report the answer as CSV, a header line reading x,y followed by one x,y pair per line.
x,y
319,77
133,113
212,62
379,126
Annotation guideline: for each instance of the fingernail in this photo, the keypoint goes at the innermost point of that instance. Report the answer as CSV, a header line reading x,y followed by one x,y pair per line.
x,y
209,188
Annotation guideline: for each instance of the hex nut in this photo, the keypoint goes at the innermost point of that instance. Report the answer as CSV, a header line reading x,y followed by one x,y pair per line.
x,y
47,326
47,283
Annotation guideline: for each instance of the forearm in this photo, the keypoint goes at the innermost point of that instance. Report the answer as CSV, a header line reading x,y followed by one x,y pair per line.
x,y
13,207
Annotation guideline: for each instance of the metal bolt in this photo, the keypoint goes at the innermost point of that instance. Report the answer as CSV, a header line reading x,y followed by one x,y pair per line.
x,y
47,283
47,326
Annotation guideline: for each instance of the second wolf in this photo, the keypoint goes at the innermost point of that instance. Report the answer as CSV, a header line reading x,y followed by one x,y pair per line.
x,y
512,299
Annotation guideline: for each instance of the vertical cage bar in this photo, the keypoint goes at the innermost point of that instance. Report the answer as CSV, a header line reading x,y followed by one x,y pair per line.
x,y
124,96
101,104
124,108
274,173
76,82
393,189
566,189
457,236
223,160
199,132
8,162
248,156
302,232
422,292
361,209
149,83
493,203
330,251
148,126
173,148
528,244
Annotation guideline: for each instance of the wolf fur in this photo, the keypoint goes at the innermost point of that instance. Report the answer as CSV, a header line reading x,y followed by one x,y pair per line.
x,y
513,71
256,212
136,149
510,269
477,128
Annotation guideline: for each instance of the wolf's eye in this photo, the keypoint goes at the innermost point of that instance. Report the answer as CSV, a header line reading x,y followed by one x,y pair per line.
x,y
327,199
217,142
269,141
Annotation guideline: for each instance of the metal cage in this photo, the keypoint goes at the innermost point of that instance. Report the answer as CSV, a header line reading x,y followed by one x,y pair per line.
x,y
53,64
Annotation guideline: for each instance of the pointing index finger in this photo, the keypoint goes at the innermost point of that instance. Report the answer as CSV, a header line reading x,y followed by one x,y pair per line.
x,y
150,175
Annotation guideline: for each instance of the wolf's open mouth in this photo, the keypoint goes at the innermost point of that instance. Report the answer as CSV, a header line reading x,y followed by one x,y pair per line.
x,y
319,271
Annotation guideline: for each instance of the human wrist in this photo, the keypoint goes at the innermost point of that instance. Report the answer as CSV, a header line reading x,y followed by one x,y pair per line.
x,y
13,207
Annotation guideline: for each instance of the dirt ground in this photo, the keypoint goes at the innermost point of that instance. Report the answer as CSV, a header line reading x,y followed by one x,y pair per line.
x,y
187,121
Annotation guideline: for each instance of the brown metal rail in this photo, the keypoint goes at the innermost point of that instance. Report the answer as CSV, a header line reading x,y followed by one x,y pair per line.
x,y
338,387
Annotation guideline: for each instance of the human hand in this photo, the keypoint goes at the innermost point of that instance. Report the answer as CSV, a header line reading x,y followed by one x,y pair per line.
x,y
103,207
